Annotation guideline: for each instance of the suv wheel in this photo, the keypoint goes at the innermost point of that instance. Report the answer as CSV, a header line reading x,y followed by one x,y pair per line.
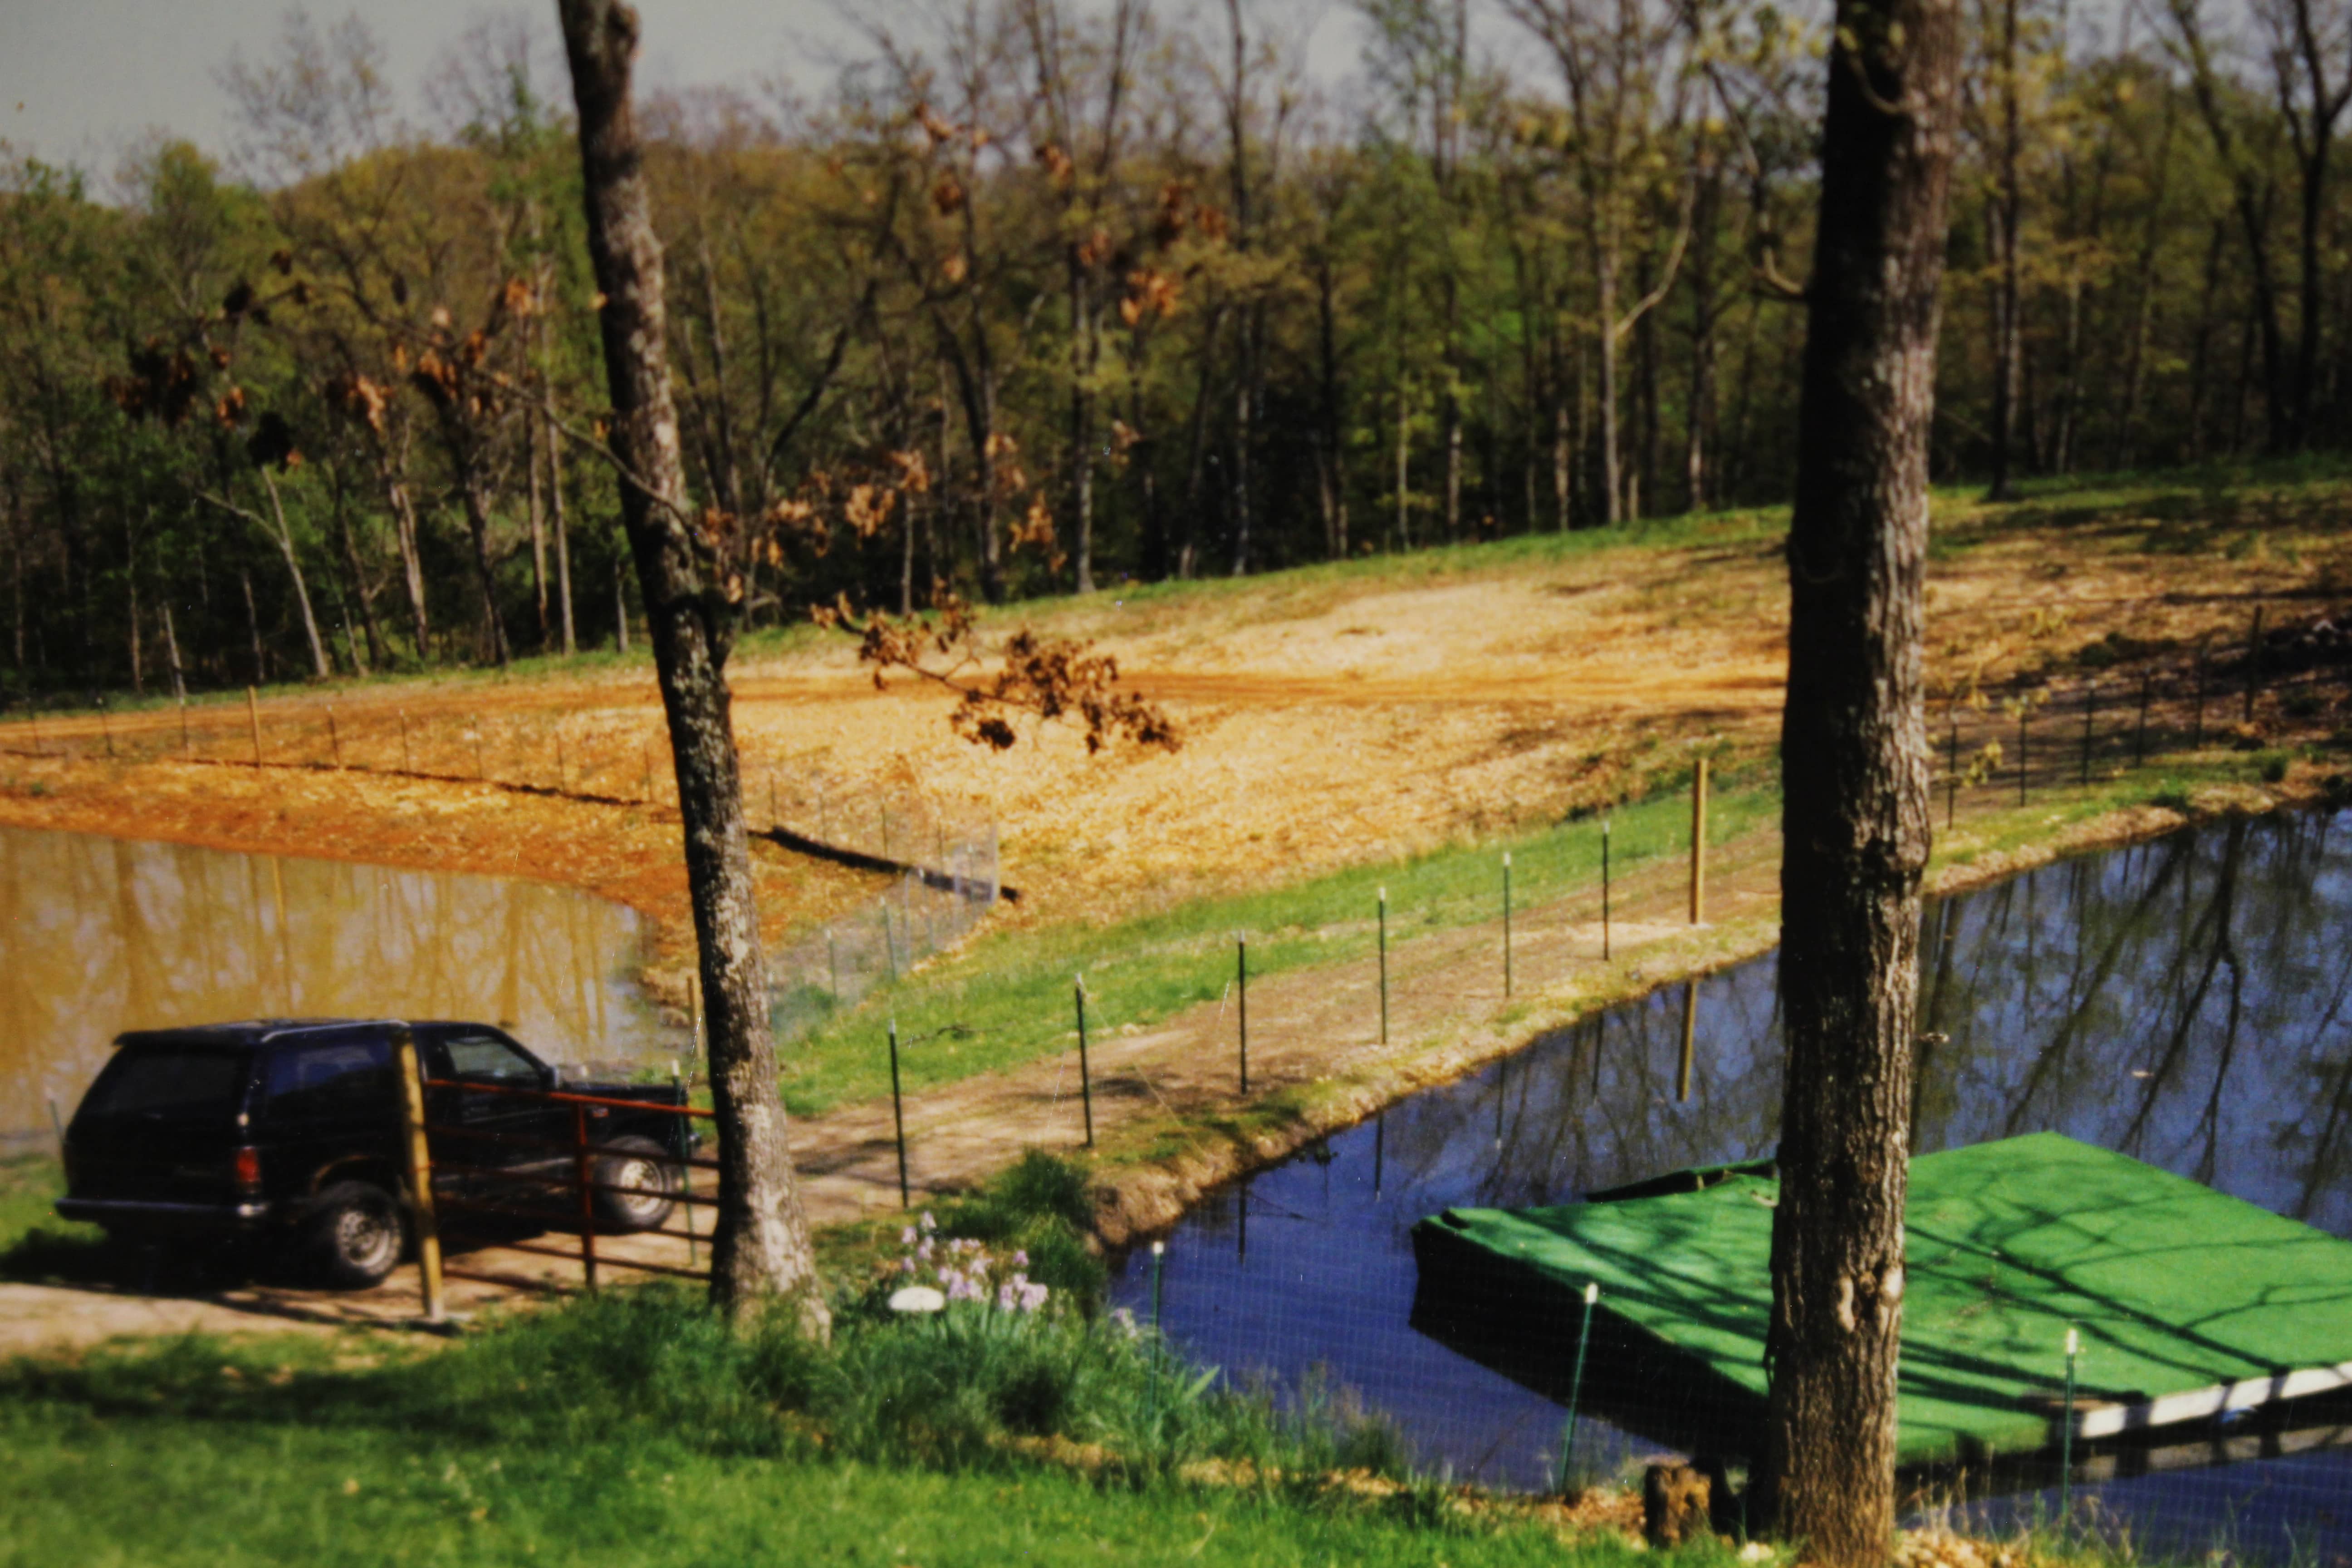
x,y
642,1163
356,1235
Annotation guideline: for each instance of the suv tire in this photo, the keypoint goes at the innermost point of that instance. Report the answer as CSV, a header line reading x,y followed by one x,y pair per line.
x,y
635,1163
356,1235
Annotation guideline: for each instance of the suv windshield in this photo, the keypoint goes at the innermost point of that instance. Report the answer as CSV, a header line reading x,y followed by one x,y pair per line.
x,y
174,1081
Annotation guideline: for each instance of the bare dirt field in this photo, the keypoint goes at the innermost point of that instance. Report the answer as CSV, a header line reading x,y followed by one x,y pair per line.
x,y
1330,717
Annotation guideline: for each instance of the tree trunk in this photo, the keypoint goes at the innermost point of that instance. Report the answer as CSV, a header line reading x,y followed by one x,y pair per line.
x,y
2203,344
1699,436
172,651
350,553
555,504
412,564
477,528
284,539
1604,278
620,606
2003,216
538,527
253,629
761,1251
1082,428
1853,744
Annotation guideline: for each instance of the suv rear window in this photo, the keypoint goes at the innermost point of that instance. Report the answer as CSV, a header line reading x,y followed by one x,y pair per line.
x,y
183,1082
349,1077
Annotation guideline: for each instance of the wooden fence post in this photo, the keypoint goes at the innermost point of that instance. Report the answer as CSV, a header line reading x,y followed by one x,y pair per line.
x,y
420,1174
334,740
253,717
2253,664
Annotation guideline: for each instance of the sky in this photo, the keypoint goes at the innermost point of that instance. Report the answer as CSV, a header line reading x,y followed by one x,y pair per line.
x,y
85,81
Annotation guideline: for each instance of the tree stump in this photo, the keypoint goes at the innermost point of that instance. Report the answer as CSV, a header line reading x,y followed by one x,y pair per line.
x,y
1676,1501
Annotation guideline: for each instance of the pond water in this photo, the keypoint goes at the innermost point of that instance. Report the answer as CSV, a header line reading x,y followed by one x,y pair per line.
x,y
2187,1001
100,935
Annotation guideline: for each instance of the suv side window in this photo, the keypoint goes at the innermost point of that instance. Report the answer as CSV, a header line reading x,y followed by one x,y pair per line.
x,y
488,1057
349,1077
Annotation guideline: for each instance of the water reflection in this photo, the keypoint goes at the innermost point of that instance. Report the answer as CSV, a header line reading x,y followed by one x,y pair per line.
x,y
2184,1001
98,935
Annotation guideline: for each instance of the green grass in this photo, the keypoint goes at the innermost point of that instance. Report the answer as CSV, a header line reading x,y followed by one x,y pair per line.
x,y
29,1184
1007,998
631,1428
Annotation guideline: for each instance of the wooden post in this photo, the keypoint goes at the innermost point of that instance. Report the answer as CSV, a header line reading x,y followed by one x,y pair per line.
x,y
1698,844
407,759
2025,706
1241,970
583,1179
1384,966
1690,1035
2090,712
334,740
184,749
562,774
1085,1076
2253,664
694,1008
1952,776
420,1173
649,774
898,1117
1507,925
253,717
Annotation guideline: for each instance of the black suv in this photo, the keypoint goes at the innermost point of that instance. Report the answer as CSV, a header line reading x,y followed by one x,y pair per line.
x,y
291,1128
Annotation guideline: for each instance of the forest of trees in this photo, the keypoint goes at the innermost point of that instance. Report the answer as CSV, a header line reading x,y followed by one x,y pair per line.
x,y
1043,297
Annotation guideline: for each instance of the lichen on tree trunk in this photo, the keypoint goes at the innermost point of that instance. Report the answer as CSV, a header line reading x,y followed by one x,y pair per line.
x,y
1855,759
761,1253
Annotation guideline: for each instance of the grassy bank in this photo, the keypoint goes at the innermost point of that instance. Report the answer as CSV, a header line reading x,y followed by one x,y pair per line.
x,y
1006,998
633,1427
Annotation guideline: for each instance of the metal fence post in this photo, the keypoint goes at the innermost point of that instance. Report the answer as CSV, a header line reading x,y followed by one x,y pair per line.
x,y
584,1180
1506,925
1086,1077
1241,968
1698,844
899,1116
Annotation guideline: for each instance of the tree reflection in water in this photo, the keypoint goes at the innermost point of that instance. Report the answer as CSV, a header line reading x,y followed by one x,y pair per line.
x,y
98,935
2184,1001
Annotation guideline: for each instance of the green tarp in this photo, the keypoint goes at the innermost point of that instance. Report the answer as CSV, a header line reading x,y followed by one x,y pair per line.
x,y
2189,1302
